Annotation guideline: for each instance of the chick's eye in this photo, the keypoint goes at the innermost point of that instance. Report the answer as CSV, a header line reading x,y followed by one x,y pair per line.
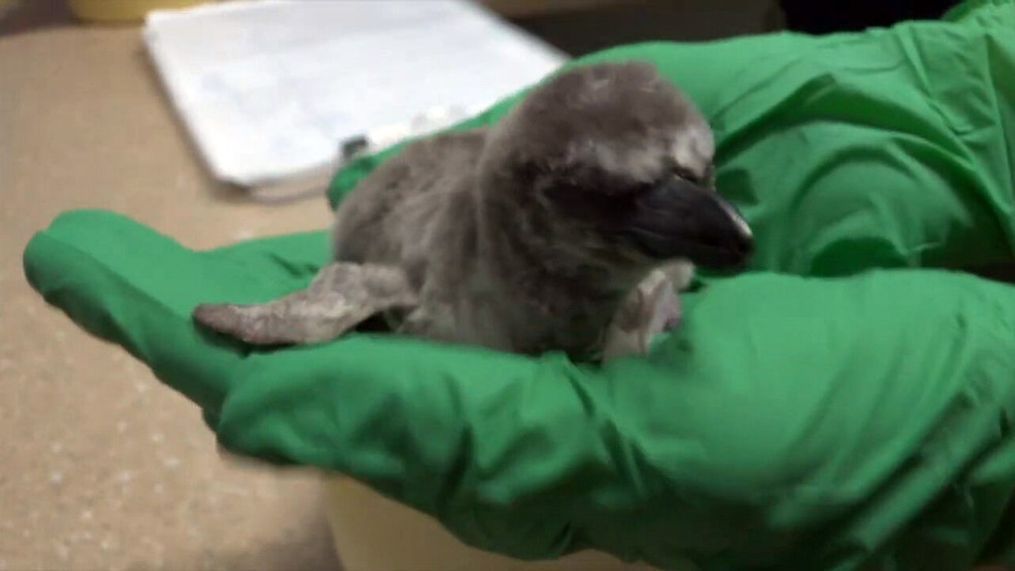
x,y
590,203
687,175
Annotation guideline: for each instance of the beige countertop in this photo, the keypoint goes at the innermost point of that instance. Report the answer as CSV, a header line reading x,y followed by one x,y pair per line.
x,y
101,467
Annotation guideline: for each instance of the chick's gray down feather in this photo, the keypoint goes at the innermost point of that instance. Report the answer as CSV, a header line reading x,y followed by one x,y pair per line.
x,y
572,220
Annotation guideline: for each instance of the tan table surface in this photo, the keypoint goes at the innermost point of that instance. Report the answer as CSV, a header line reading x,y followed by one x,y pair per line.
x,y
100,466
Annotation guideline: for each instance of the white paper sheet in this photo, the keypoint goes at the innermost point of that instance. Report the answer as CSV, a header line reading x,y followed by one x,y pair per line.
x,y
269,89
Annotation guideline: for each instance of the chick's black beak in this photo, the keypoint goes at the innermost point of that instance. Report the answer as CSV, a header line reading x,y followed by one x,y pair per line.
x,y
679,219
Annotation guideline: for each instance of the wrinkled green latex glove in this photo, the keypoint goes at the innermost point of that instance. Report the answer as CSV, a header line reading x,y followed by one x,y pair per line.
x,y
790,423
888,148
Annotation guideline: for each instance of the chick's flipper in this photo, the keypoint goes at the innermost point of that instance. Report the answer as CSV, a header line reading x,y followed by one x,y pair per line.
x,y
342,296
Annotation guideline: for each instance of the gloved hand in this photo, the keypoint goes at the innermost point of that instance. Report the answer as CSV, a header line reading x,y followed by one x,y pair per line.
x,y
791,422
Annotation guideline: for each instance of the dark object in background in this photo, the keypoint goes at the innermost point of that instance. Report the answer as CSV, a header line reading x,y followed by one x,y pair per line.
x,y
855,15
581,31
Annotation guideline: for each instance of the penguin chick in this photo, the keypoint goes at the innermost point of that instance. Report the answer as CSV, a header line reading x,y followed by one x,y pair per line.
x,y
530,236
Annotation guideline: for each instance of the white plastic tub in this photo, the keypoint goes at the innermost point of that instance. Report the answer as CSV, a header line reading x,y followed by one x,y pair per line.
x,y
373,533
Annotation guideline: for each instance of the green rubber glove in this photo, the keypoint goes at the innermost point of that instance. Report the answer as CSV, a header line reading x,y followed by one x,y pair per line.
x,y
791,423
888,148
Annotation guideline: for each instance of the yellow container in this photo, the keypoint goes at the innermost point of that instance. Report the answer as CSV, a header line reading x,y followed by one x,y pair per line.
x,y
123,11
373,533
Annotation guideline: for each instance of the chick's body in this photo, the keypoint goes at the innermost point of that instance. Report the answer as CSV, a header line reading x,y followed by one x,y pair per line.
x,y
421,211
529,236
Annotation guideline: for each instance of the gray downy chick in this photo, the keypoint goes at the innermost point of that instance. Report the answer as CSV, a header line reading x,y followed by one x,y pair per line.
x,y
568,226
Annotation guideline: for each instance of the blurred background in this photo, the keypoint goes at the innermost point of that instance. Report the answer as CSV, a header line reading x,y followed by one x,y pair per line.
x,y
576,26
580,26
